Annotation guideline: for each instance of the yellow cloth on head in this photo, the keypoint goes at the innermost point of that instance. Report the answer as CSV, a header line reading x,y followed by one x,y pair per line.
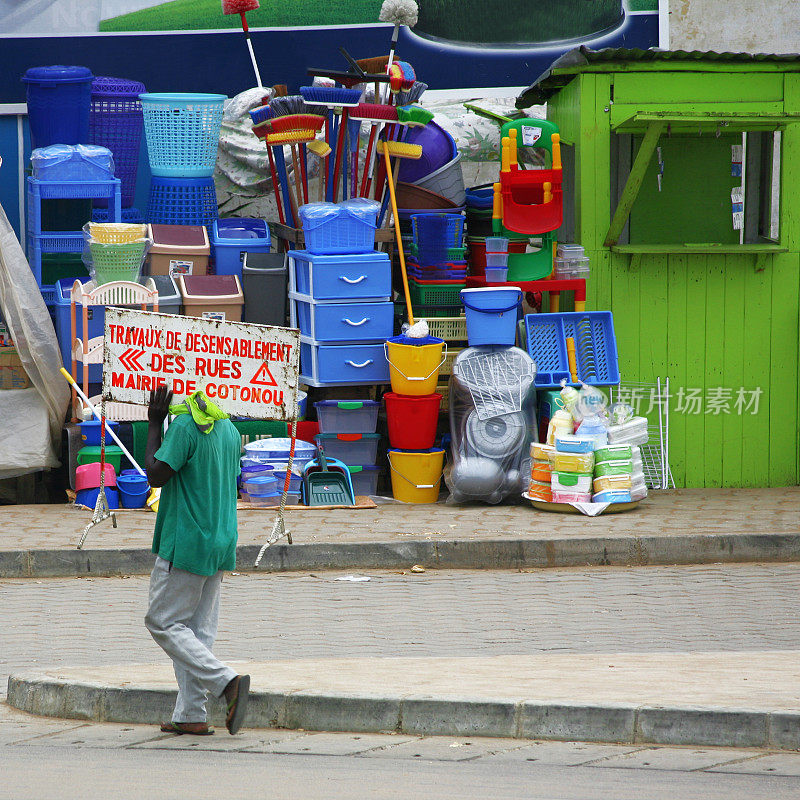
x,y
203,411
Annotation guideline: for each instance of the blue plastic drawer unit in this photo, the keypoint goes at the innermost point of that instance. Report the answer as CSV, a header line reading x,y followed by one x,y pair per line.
x,y
232,238
363,276
343,322
97,316
342,364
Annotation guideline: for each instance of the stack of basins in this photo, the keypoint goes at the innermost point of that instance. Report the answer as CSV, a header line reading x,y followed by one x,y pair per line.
x,y
412,415
348,433
479,227
264,467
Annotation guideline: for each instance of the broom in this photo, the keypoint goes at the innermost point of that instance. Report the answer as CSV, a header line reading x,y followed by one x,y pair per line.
x,y
241,7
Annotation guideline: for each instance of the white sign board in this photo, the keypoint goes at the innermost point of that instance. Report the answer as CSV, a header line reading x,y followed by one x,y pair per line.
x,y
247,370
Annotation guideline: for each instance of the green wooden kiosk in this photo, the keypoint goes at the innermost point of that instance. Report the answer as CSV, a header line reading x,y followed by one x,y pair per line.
x,y
657,147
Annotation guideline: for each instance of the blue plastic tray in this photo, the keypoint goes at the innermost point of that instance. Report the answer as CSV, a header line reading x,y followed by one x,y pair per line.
x,y
595,347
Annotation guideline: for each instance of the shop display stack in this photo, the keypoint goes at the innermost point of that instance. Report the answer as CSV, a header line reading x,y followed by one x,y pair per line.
x,y
348,432
182,132
340,296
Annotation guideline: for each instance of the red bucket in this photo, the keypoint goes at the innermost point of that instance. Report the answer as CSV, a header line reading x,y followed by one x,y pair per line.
x,y
476,253
412,420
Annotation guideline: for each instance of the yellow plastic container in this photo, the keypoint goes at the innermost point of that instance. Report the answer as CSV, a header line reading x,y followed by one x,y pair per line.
x,y
117,232
574,462
613,483
414,368
416,476
543,452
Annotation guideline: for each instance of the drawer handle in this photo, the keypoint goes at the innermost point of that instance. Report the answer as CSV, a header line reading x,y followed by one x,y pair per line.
x,y
355,324
359,366
352,281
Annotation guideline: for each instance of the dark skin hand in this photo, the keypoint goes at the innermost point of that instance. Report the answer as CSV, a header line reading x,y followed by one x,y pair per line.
x,y
158,473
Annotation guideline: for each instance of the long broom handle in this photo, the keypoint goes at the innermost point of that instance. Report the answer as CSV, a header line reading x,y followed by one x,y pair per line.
x,y
275,185
109,431
246,29
397,233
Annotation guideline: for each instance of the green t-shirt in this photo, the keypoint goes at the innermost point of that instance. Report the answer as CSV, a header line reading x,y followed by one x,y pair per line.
x,y
196,523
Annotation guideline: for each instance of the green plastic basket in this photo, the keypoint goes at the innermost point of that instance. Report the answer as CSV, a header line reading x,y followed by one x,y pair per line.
x,y
435,294
453,253
117,262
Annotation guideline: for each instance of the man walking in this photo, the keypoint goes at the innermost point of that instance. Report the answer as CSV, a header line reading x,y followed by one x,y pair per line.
x,y
195,540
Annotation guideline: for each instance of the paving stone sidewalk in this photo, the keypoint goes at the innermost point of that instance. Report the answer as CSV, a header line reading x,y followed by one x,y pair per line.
x,y
684,526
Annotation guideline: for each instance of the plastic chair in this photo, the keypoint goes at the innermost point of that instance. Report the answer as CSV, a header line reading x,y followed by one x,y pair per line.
x,y
117,293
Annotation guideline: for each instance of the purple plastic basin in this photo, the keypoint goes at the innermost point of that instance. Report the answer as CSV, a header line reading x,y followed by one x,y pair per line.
x,y
438,148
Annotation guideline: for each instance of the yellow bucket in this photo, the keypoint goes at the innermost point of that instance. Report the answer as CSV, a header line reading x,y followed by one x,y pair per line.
x,y
414,368
416,476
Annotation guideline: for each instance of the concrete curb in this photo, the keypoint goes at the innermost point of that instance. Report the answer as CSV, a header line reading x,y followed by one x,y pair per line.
x,y
442,554
419,715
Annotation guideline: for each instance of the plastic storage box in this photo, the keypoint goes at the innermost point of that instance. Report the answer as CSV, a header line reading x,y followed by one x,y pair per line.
x,y
543,452
169,296
572,497
365,276
350,448
612,497
231,238
58,101
347,416
613,468
271,451
264,283
539,490
570,443
347,227
336,364
571,269
365,479
178,250
573,462
621,452
634,431
72,162
343,322
212,296
612,483
571,482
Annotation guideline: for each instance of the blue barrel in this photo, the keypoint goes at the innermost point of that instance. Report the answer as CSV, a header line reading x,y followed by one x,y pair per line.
x,y
58,99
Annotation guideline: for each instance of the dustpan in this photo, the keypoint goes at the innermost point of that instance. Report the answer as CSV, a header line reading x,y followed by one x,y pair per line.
x,y
327,482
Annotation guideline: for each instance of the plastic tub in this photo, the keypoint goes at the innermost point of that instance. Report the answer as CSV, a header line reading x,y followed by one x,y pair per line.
x,y
231,238
570,443
350,448
182,132
447,181
570,252
416,476
133,490
543,452
495,260
414,364
58,99
88,498
614,468
364,478
90,431
612,497
347,416
87,476
178,250
347,227
412,420
438,150
574,462
72,162
477,251
612,483
539,490
491,315
263,500
295,481
571,482
91,454
277,449
634,431
496,244
496,274
572,497
261,484
541,472
621,452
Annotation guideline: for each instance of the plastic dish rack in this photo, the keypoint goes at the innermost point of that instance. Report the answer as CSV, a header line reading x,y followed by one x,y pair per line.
x,y
595,347
451,329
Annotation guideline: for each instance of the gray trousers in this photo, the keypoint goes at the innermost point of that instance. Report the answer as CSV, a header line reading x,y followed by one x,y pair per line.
x,y
182,618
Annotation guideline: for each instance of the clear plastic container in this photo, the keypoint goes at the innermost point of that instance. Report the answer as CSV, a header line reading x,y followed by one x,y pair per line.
x,y
594,427
571,269
350,448
612,483
571,443
570,252
263,500
618,452
571,482
260,484
277,449
574,462
295,482
347,416
634,431
496,274
365,479
496,244
572,497
613,468
543,452
497,259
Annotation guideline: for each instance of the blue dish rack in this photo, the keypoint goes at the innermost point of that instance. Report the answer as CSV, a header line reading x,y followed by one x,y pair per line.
x,y
595,347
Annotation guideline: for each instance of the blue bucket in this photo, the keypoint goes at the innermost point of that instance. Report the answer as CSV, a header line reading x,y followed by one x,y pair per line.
x,y
88,497
133,490
492,315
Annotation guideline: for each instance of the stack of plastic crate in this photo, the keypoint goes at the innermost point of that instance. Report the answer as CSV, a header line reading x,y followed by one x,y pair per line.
x,y
340,296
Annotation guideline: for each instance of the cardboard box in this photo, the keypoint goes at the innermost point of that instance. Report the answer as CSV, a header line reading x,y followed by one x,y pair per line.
x,y
12,373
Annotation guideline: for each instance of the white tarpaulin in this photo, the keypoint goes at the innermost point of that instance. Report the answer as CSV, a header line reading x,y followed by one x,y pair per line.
x,y
247,370
33,419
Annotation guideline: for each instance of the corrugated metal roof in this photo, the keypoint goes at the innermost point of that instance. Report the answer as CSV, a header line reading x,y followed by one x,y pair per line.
x,y
547,84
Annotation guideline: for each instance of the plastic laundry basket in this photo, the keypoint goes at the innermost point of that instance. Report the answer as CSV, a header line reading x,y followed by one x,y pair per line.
x,y
182,132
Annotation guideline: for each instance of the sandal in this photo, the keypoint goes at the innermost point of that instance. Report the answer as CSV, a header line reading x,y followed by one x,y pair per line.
x,y
182,727
237,707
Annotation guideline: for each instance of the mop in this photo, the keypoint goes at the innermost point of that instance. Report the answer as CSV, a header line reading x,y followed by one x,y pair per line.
x,y
241,7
